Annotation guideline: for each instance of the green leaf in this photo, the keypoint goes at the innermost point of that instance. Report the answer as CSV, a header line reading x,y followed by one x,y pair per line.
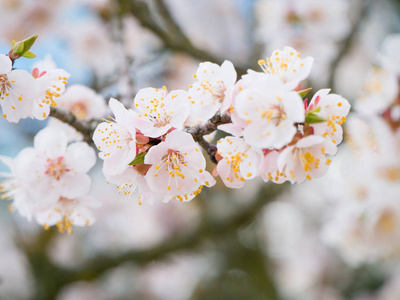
x,y
29,54
139,159
302,93
28,43
312,118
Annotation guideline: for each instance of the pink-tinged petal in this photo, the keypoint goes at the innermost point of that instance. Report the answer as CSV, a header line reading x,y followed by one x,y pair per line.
x,y
8,161
43,191
118,161
144,97
154,132
321,93
14,109
50,216
146,194
269,168
231,129
227,175
177,105
208,179
5,64
118,109
330,148
228,73
195,158
24,204
249,166
74,185
51,141
40,111
294,108
180,140
80,157
208,71
310,141
128,175
23,84
156,153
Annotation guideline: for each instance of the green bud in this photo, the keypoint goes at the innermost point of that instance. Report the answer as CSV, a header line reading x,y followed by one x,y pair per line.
x,y
29,54
312,118
302,93
21,48
139,159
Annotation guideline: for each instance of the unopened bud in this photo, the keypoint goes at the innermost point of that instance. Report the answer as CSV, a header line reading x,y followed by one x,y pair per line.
x,y
21,48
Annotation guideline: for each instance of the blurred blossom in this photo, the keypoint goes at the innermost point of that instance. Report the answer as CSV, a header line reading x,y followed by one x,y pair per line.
x,y
319,240
312,27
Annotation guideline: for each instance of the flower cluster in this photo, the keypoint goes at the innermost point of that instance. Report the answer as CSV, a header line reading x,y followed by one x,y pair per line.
x,y
150,151
153,150
49,181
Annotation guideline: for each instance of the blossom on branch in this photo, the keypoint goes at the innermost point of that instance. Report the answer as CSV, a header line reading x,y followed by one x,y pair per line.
x,y
52,169
287,66
270,112
239,161
332,108
178,167
306,159
160,111
116,139
212,92
17,91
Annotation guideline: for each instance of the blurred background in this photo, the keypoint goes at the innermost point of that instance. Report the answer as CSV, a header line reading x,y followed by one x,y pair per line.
x,y
332,238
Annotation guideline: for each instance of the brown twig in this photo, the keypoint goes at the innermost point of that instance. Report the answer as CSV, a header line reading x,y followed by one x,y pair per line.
x,y
84,127
199,131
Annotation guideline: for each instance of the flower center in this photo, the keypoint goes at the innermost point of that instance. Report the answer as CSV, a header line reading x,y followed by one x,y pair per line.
x,y
79,109
173,163
5,84
275,114
218,93
56,168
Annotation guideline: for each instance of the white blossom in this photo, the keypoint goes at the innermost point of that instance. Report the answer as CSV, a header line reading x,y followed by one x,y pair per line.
x,y
116,139
270,112
52,169
178,167
212,91
379,92
160,111
133,184
269,170
239,161
306,159
67,212
334,109
287,66
51,84
83,102
17,90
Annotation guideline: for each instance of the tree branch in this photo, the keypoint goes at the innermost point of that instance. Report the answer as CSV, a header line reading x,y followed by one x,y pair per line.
x,y
175,38
199,131
86,128
210,229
